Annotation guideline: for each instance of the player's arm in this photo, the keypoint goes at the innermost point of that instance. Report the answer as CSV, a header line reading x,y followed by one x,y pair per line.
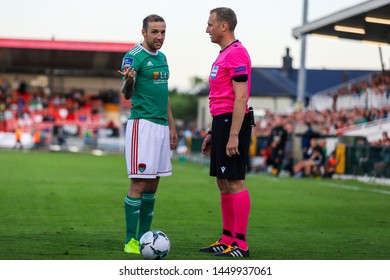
x,y
128,75
172,126
241,98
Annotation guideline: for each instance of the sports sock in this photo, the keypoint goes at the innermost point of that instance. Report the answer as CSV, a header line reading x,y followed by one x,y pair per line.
x,y
242,206
132,212
146,213
227,219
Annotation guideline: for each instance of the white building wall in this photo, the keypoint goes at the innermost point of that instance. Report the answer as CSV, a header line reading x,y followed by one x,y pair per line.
x,y
282,105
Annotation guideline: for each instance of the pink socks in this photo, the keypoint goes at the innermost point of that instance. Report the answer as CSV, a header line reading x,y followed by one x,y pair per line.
x,y
235,214
227,206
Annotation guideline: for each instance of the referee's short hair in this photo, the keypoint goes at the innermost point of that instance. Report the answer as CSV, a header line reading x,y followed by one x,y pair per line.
x,y
226,15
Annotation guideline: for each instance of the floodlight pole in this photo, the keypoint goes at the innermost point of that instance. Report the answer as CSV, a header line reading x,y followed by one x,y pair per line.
x,y
302,70
381,58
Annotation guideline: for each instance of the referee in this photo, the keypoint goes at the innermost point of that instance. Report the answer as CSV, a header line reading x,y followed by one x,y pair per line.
x,y
229,138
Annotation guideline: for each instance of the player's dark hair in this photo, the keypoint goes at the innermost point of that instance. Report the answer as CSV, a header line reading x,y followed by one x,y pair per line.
x,y
151,18
226,15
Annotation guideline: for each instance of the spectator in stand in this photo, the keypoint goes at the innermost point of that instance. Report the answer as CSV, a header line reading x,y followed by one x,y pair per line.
x,y
306,138
361,156
330,166
61,136
385,138
36,136
313,159
383,141
382,167
277,141
18,138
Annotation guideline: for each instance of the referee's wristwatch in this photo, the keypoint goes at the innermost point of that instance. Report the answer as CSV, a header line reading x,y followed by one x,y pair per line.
x,y
209,132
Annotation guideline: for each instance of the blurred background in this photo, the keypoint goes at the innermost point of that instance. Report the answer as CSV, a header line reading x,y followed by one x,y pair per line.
x,y
328,80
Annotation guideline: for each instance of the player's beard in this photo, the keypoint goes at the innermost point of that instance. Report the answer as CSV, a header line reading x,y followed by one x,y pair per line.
x,y
154,45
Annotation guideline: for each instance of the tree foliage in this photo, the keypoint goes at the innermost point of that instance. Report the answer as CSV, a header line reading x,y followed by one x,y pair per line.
x,y
184,105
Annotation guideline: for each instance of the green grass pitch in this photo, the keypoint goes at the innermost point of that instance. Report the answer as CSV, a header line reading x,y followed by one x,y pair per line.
x,y
61,206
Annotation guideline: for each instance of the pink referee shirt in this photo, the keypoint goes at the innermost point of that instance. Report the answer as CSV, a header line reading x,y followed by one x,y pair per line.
x,y
232,61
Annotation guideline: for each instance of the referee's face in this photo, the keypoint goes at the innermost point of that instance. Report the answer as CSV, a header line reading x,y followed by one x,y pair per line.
x,y
154,36
214,29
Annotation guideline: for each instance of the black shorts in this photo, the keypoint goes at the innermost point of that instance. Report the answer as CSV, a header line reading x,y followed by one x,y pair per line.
x,y
222,166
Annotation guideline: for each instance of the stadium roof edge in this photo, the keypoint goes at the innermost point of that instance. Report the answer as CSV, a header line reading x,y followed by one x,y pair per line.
x,y
64,57
351,16
66,45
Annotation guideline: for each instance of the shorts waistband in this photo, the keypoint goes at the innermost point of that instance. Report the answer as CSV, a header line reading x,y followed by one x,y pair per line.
x,y
229,115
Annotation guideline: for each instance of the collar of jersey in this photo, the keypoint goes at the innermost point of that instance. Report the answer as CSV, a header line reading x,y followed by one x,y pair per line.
x,y
228,45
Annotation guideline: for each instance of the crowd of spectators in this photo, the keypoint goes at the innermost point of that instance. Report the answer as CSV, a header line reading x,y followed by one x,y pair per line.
x,y
21,108
371,93
314,127
276,151
29,109
52,117
326,122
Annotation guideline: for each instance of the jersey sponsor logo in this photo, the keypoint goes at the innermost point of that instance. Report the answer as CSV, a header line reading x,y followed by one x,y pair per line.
x,y
160,77
214,72
142,167
240,69
127,61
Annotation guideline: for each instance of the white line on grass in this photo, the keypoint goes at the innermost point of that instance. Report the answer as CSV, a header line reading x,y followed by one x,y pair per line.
x,y
338,186
271,179
353,188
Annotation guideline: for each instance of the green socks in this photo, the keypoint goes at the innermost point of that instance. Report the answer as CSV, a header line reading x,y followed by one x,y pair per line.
x,y
146,213
132,210
139,214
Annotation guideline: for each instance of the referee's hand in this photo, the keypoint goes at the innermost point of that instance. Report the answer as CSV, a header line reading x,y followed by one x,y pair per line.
x,y
232,146
206,145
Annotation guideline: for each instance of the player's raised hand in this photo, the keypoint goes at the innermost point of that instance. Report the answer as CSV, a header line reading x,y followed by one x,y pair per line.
x,y
128,85
128,73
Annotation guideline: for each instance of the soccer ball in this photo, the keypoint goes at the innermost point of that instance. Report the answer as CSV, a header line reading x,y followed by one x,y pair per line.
x,y
154,245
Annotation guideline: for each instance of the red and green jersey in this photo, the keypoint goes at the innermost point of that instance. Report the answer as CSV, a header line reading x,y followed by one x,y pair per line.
x,y
150,97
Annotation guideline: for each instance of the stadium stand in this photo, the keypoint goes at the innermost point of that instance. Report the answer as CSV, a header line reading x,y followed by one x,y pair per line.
x,y
52,86
366,101
74,94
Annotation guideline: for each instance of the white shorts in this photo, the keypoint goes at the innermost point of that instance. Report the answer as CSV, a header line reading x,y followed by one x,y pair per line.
x,y
148,153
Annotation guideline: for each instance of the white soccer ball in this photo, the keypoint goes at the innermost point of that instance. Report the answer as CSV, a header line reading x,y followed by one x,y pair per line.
x,y
154,245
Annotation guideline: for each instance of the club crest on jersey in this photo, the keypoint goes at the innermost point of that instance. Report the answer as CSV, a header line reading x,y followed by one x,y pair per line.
x,y
214,72
142,167
127,61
